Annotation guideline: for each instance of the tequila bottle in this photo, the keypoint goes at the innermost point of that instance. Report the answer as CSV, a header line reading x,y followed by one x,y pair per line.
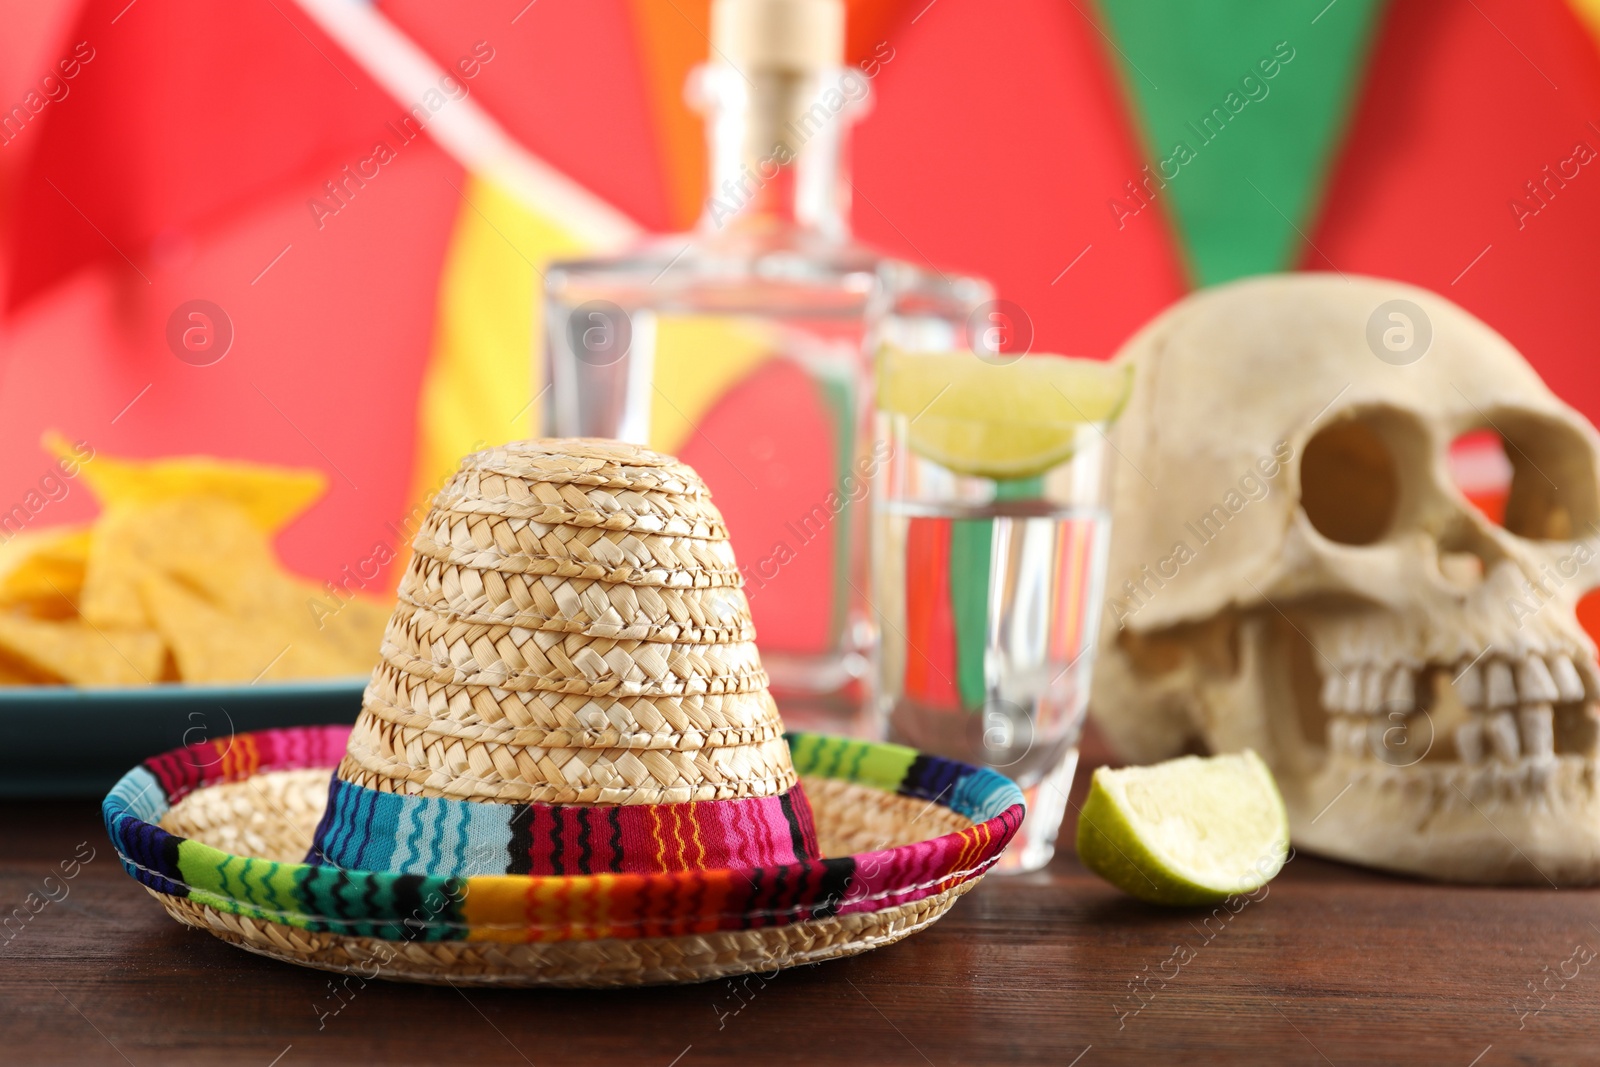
x,y
745,345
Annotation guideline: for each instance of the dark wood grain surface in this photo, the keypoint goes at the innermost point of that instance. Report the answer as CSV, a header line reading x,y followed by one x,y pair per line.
x,y
1332,965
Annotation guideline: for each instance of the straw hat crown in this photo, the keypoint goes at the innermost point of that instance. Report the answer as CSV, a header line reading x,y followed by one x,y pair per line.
x,y
571,630
570,637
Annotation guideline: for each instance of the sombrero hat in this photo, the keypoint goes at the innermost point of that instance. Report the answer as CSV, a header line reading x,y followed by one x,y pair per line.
x,y
567,769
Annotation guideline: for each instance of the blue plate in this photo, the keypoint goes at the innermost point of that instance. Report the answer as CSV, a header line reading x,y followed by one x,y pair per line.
x,y
59,741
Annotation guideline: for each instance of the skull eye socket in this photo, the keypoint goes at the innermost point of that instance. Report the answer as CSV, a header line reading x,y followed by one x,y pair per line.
x,y
1533,476
1481,471
1349,484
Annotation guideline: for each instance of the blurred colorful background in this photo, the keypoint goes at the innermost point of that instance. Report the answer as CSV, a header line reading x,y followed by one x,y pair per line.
x,y
368,255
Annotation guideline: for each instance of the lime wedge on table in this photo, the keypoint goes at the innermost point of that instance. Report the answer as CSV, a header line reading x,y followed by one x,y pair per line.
x,y
1188,831
1015,420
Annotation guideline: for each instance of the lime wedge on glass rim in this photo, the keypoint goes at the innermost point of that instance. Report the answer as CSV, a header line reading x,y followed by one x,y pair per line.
x,y
1002,421
1188,831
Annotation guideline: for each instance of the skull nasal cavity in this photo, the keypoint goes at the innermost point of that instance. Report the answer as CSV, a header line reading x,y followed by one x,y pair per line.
x,y
1349,485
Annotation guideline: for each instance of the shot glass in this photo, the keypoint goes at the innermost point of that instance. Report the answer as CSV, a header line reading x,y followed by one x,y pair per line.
x,y
988,560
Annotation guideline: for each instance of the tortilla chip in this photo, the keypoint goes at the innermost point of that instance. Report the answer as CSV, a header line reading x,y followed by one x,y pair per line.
x,y
270,495
41,573
14,671
207,544
81,654
177,578
211,645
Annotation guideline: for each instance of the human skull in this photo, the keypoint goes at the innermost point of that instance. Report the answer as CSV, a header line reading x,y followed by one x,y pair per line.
x,y
1294,570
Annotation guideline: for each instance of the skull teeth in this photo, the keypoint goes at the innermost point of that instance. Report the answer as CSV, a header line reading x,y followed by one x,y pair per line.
x,y
1535,682
1401,693
1538,724
1377,739
1468,684
1333,692
1508,735
1501,731
1342,691
1569,684
1347,736
1371,689
1498,687
1505,712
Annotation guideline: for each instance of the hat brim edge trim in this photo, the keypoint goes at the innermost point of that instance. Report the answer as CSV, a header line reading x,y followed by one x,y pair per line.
x,y
377,901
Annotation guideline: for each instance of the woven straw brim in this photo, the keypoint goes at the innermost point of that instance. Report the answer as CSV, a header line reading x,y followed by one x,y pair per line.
x,y
908,855
853,816
572,964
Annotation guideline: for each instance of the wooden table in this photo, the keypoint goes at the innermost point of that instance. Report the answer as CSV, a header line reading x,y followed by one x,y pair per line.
x,y
1332,965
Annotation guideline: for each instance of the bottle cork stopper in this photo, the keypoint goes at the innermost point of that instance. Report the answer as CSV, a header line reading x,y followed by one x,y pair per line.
x,y
797,35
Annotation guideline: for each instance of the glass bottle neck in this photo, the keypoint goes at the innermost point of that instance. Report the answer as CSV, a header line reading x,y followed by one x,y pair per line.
x,y
777,142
